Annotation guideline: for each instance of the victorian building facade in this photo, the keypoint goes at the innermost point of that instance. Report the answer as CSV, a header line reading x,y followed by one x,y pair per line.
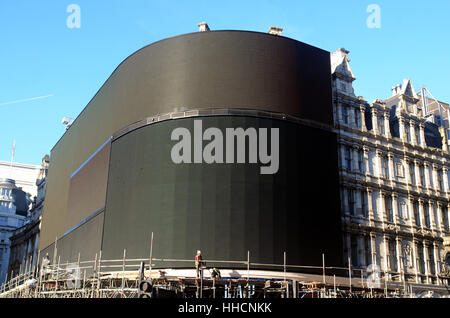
x,y
13,212
394,168
25,240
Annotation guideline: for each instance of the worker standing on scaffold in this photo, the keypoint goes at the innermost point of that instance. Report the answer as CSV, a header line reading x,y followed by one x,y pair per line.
x,y
198,263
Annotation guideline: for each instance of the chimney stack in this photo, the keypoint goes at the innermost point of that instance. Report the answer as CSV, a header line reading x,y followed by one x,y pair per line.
x,y
275,30
203,27
396,89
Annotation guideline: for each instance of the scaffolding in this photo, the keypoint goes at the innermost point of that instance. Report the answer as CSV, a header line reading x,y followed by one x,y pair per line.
x,y
124,278
121,278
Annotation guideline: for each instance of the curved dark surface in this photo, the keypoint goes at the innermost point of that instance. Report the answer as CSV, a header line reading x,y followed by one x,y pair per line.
x,y
226,69
224,210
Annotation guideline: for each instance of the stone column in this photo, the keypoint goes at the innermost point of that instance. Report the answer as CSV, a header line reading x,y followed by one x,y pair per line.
x,y
437,261
391,166
398,242
434,176
432,219
366,159
422,135
406,170
427,175
362,109
440,227
374,121
401,126
445,179
387,128
426,261
379,171
416,259
421,213
387,267
417,170
355,158
412,132
370,204
395,208
373,248
382,208
411,211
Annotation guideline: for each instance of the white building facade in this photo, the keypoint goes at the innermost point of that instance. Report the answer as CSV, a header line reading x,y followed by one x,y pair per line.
x,y
25,240
13,213
24,175
394,168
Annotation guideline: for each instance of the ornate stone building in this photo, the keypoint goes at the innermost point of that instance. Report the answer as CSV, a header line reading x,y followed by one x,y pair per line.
x,y
13,212
25,240
394,168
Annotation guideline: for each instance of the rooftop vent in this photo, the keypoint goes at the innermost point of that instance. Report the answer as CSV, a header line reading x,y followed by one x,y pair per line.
x,y
203,27
275,30
67,121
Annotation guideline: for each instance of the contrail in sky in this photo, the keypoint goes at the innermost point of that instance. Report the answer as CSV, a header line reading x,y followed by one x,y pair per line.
x,y
25,100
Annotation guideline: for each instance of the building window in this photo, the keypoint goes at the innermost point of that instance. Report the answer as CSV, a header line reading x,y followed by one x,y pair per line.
x,y
351,201
407,132
426,212
440,180
417,135
348,158
445,217
435,215
417,214
364,203
380,125
354,250
344,114
357,117
412,173
422,175
361,160
388,207
368,251
430,174
421,259
385,167
392,256
431,258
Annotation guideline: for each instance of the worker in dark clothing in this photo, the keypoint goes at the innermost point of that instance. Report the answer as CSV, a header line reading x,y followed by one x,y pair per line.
x,y
215,273
198,263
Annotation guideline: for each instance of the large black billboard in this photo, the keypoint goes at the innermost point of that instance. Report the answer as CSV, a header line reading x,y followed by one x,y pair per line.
x,y
196,71
225,209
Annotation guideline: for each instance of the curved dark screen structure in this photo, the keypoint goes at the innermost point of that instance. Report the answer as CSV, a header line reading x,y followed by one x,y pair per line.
x,y
224,209
112,179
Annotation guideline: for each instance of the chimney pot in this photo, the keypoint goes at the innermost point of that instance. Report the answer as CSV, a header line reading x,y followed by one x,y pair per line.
x,y
275,30
203,27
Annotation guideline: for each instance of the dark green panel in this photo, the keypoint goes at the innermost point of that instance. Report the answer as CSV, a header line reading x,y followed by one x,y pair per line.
x,y
224,209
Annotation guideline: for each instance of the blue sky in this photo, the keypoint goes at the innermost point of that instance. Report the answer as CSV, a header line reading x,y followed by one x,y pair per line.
x,y
40,55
